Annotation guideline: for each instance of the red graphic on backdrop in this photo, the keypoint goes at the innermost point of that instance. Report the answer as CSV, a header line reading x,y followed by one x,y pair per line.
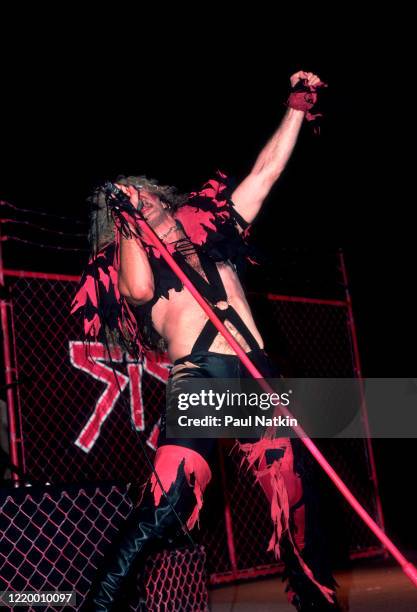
x,y
116,382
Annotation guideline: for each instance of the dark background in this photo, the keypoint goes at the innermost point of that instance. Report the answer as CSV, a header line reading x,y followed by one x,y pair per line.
x,y
126,94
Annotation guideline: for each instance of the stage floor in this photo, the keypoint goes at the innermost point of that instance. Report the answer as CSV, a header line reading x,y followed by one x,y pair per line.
x,y
369,586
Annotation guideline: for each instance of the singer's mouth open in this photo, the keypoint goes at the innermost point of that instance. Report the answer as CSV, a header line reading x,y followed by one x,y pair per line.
x,y
147,210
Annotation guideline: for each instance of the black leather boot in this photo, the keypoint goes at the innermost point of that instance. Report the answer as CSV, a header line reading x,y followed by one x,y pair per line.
x,y
303,593
148,528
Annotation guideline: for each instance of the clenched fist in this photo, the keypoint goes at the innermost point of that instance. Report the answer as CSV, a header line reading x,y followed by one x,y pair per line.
x,y
309,79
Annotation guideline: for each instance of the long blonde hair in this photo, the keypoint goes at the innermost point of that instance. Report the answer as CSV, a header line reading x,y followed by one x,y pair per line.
x,y
101,227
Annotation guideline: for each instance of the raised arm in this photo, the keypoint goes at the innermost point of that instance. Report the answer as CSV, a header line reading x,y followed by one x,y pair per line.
x,y
252,191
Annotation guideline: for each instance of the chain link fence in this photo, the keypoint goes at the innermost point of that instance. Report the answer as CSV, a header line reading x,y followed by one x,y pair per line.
x,y
80,420
55,538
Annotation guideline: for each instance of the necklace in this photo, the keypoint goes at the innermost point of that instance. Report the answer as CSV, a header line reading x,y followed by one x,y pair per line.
x,y
165,234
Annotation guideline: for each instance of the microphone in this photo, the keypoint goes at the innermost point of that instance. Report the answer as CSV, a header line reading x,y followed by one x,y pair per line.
x,y
117,194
